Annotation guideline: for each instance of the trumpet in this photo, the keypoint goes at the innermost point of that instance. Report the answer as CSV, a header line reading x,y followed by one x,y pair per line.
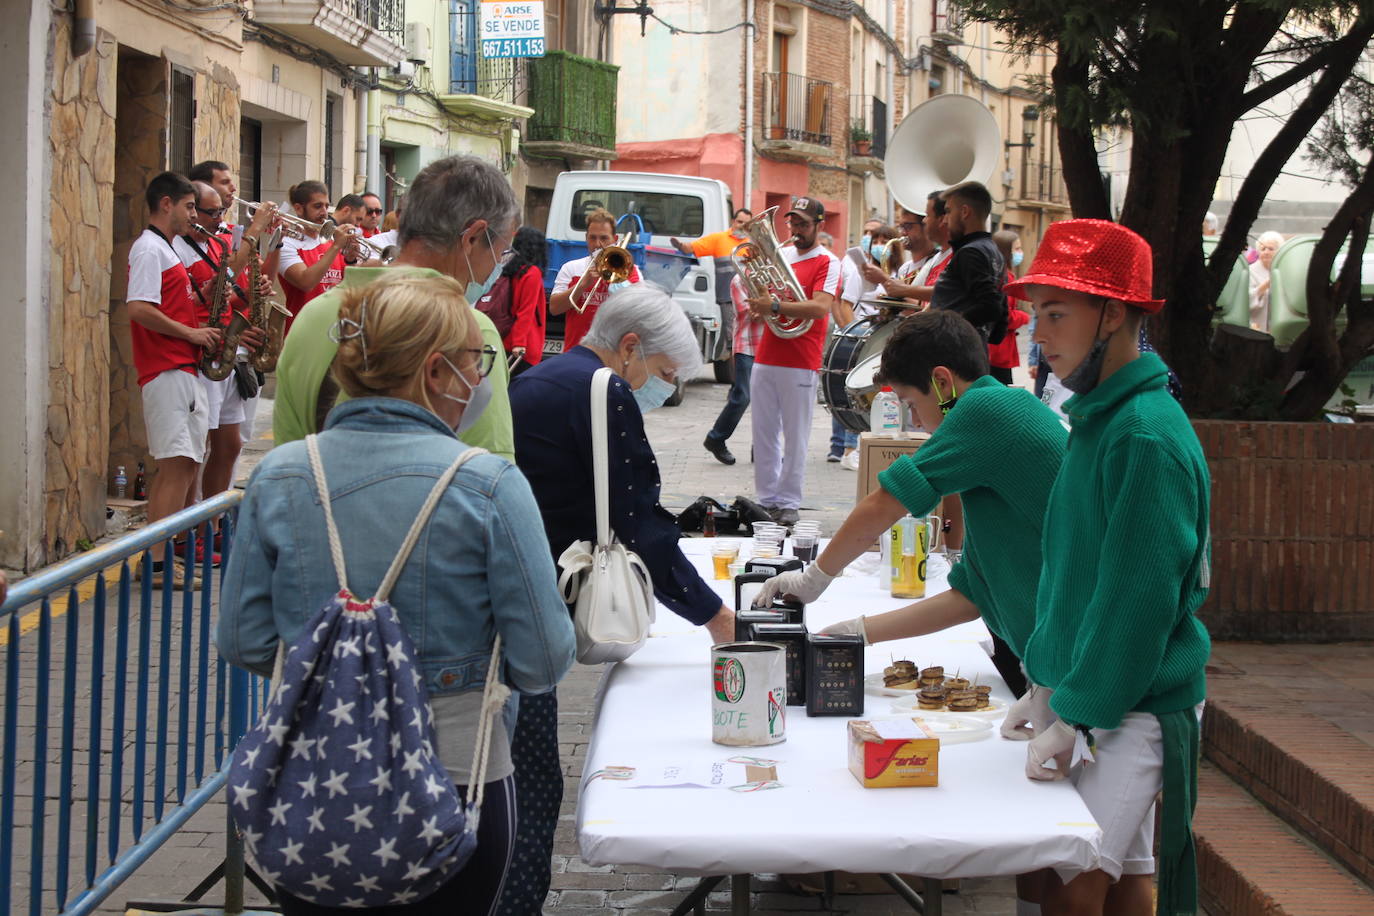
x,y
386,254
294,226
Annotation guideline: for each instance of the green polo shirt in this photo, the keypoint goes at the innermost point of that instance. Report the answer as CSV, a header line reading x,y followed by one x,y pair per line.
x,y
309,352
999,448
1126,557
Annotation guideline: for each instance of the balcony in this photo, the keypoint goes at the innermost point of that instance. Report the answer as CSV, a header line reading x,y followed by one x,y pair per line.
x,y
948,25
574,107
867,134
1042,186
490,89
360,33
796,116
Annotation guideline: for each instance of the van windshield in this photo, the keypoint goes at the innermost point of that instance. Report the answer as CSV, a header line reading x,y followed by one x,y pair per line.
x,y
680,215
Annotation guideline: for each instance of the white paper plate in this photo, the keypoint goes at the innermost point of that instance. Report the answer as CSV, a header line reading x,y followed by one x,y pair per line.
x,y
951,729
996,709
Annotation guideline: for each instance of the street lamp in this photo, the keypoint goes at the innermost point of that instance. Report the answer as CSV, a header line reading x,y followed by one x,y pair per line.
x,y
1029,116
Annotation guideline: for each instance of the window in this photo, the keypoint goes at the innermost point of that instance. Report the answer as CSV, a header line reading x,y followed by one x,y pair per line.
x,y
462,43
663,214
330,118
553,24
250,159
183,121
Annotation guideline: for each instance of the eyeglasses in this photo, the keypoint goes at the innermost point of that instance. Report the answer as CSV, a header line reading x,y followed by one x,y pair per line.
x,y
373,211
908,226
486,358
213,214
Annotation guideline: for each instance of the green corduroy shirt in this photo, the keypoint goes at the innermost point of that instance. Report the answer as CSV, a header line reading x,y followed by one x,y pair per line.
x,y
309,352
1126,557
1000,449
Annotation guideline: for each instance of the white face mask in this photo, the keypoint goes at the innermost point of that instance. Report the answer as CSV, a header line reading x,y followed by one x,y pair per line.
x,y
655,390
479,396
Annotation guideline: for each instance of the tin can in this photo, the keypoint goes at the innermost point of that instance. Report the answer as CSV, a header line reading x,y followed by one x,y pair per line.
x,y
748,694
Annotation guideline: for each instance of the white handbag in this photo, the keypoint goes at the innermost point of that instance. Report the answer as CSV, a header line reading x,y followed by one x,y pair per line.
x,y
607,584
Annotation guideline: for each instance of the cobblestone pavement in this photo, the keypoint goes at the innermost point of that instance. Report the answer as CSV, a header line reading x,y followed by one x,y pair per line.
x,y
578,889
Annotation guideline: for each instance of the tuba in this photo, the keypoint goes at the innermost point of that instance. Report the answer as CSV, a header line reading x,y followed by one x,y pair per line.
x,y
764,272
218,363
945,141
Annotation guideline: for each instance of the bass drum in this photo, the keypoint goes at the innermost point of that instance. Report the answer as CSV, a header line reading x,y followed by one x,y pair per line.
x,y
854,351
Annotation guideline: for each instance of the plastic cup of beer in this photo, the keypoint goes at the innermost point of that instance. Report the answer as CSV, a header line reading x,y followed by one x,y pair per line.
x,y
723,554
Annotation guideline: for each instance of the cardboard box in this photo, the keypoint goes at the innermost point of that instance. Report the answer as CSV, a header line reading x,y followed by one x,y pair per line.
x,y
890,753
876,453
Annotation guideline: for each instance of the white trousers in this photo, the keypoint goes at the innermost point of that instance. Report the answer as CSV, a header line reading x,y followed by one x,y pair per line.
x,y
780,404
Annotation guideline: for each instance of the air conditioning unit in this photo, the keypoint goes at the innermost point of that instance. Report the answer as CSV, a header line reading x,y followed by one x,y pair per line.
x,y
417,43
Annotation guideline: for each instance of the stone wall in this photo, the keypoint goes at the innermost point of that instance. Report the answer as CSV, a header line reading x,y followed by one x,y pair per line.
x,y
81,137
217,116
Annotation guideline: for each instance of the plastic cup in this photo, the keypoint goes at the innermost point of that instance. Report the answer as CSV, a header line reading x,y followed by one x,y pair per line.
x,y
722,555
804,547
765,527
736,569
766,546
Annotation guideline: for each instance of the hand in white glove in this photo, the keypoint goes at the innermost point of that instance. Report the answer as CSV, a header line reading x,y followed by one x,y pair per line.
x,y
853,627
1033,709
1055,744
806,586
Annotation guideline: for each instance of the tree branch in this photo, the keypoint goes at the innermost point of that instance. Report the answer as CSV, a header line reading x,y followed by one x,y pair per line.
x,y
1300,71
1270,163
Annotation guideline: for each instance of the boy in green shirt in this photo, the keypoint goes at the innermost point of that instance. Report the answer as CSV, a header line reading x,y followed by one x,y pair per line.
x,y
998,447
1116,649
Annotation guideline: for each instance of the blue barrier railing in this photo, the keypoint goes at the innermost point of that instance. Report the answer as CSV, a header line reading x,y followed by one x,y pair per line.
x,y
163,697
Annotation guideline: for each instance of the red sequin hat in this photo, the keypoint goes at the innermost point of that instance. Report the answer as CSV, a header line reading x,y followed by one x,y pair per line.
x,y
1093,256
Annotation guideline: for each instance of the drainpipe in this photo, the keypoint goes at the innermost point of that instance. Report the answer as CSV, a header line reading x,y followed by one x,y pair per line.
x,y
360,138
748,107
83,27
374,137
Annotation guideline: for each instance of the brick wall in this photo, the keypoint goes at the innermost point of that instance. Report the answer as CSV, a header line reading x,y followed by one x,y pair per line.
x,y
1292,530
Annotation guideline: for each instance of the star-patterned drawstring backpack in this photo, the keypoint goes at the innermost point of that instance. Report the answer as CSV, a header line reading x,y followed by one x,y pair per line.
x,y
338,791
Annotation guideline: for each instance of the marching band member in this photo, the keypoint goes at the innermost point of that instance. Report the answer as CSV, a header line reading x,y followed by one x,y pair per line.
x,y
783,382
167,345
310,266
226,407
370,218
578,290
919,284
971,283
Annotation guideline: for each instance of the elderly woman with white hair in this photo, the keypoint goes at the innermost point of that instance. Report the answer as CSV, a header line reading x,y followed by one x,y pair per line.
x,y
646,340
1267,246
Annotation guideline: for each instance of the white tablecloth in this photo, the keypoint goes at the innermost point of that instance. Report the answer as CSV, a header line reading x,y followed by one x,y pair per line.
x,y
985,818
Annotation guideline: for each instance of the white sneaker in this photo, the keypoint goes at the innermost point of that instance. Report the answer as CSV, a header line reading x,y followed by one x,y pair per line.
x,y
850,462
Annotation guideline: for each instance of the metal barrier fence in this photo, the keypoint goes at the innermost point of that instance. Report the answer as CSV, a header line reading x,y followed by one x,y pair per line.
x,y
147,714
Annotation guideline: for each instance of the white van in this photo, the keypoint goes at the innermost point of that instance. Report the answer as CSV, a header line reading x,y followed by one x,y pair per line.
x,y
668,206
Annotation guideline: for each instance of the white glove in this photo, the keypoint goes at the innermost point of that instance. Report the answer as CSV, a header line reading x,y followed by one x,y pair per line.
x,y
806,586
1057,744
853,627
1032,709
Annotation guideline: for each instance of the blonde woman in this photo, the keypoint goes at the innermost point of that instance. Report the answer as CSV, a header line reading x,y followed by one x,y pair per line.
x,y
412,361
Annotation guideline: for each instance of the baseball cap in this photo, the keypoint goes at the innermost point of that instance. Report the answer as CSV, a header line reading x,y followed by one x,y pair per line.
x,y
808,207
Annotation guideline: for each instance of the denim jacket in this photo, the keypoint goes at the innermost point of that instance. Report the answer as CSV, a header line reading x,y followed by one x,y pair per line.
x,y
481,566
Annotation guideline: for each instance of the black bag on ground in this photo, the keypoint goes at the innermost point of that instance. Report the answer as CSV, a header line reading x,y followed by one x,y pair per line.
x,y
734,520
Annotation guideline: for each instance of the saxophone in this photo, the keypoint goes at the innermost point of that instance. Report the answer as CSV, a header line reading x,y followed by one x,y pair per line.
x,y
764,272
217,363
264,313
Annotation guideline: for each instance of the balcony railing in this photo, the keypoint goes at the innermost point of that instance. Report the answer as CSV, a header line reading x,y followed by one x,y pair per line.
x,y
499,78
868,115
948,22
574,106
363,33
1044,183
796,108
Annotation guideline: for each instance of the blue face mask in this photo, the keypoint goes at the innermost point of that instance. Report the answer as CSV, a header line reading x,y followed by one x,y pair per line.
x,y
879,251
1017,257
475,290
655,390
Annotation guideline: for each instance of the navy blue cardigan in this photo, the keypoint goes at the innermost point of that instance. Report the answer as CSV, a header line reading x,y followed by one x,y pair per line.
x,y
551,409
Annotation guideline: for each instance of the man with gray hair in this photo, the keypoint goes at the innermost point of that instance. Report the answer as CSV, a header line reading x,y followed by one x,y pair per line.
x,y
458,221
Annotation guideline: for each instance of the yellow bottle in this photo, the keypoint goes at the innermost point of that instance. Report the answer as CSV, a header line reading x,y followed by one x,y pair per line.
x,y
908,553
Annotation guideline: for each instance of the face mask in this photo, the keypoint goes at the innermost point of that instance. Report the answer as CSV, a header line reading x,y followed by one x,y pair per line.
x,y
474,290
946,403
654,391
1085,377
866,243
879,251
474,404
1017,257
